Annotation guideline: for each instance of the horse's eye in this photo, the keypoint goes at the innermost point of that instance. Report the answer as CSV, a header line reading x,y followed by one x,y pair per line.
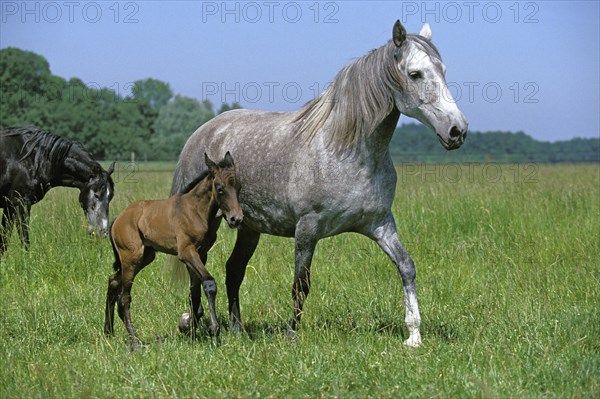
x,y
219,188
414,75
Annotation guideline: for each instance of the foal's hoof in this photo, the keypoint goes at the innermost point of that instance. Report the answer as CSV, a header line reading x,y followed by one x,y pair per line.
x,y
184,324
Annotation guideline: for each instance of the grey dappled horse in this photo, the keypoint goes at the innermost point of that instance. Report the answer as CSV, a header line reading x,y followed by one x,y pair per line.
x,y
330,163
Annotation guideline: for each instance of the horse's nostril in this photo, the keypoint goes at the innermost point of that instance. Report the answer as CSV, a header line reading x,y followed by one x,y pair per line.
x,y
455,132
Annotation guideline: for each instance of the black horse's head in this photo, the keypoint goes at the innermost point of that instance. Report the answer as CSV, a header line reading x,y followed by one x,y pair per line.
x,y
94,198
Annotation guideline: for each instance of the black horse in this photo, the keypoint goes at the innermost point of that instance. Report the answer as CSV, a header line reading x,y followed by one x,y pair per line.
x,y
32,161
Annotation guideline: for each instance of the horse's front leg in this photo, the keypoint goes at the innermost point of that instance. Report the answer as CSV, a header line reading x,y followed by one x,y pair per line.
x,y
386,236
245,245
7,221
20,214
305,243
24,218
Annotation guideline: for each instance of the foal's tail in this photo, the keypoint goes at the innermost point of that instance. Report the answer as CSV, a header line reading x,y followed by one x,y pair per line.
x,y
117,262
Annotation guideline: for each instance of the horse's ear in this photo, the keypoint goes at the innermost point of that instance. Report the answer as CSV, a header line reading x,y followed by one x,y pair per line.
x,y
398,34
111,168
228,159
426,31
209,163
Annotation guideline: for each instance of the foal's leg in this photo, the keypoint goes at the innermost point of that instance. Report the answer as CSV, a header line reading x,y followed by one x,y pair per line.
x,y
129,270
386,236
196,284
305,243
245,245
189,255
112,295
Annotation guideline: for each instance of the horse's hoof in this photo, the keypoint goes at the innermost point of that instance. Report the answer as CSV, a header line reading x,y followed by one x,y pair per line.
x,y
236,327
414,341
292,334
135,345
184,324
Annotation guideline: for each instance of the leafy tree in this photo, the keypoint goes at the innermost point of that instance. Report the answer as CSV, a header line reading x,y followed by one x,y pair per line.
x,y
226,107
152,91
175,123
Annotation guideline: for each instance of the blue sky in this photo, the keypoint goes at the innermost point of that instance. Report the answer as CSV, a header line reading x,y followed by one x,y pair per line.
x,y
529,66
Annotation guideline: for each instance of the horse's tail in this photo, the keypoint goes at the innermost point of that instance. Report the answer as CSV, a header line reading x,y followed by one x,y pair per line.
x,y
178,179
177,270
172,265
117,262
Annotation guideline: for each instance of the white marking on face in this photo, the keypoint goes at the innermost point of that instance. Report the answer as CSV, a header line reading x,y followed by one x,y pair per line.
x,y
428,98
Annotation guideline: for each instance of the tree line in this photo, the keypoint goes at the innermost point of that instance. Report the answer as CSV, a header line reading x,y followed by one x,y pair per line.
x,y
151,122
417,143
154,123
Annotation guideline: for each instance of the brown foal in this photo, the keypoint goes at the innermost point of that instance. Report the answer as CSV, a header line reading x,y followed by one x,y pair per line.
x,y
184,225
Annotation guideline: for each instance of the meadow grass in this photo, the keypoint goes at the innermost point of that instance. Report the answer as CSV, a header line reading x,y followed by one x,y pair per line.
x,y
508,270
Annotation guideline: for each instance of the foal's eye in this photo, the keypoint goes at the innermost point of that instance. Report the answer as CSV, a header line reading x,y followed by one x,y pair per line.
x,y
220,190
414,75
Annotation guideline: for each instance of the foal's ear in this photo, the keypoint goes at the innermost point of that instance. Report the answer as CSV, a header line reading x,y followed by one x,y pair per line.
x,y
209,163
111,169
398,34
228,160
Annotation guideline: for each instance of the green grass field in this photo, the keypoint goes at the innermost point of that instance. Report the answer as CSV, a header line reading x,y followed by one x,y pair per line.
x,y
508,263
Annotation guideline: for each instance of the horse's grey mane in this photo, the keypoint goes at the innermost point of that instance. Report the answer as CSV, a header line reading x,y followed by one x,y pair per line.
x,y
359,98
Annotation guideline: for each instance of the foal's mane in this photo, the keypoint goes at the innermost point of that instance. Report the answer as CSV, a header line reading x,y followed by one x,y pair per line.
x,y
221,164
195,182
359,98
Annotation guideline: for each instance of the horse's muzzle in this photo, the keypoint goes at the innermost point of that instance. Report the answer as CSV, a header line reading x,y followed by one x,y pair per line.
x,y
456,138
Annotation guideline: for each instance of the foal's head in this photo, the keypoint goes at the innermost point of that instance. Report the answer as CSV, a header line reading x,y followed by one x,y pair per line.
x,y
226,188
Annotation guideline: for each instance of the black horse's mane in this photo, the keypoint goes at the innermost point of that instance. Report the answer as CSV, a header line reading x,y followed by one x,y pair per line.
x,y
195,182
45,146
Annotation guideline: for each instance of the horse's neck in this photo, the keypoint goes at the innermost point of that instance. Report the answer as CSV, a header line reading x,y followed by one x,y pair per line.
x,y
78,168
374,148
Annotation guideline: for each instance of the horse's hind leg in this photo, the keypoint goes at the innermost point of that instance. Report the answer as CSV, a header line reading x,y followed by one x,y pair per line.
x,y
245,245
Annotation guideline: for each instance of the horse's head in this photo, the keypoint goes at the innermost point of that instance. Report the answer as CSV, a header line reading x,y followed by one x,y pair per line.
x,y
94,198
423,93
226,189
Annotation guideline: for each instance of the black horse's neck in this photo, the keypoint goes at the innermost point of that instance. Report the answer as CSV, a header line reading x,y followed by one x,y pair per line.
x,y
77,169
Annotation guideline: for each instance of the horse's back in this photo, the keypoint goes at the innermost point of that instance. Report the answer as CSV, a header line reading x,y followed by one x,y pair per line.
x,y
242,132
